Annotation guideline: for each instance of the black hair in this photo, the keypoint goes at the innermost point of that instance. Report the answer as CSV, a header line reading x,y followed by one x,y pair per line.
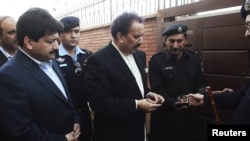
x,y
123,22
35,23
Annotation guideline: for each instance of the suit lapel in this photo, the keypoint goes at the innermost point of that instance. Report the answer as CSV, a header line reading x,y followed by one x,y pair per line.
x,y
40,76
122,66
61,77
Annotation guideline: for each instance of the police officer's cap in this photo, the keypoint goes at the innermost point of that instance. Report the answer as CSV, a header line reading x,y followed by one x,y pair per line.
x,y
70,22
175,29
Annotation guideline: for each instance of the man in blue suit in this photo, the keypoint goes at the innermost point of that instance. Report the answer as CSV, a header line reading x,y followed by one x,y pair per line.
x,y
35,104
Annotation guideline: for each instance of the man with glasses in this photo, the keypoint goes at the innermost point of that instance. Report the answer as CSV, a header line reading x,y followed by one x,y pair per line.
x,y
175,72
72,60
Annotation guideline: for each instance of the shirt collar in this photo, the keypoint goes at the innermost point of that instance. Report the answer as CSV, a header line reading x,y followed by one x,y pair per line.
x,y
122,54
48,63
63,52
5,52
170,56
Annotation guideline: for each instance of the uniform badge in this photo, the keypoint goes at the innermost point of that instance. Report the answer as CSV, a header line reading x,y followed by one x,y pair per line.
x,y
60,60
85,62
169,68
180,29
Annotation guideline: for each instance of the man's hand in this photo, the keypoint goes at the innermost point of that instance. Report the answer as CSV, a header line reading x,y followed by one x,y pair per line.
x,y
74,135
222,91
155,98
147,106
196,99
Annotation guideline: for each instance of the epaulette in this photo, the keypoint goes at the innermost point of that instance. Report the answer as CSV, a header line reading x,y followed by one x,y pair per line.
x,y
157,54
193,52
87,51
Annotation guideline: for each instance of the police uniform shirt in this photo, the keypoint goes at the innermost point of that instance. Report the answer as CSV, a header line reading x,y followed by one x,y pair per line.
x,y
75,81
171,77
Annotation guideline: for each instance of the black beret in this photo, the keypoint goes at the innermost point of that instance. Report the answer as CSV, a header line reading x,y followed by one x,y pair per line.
x,y
245,9
175,29
70,22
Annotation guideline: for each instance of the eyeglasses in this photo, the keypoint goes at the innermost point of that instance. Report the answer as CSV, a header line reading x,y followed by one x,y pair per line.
x,y
177,40
78,69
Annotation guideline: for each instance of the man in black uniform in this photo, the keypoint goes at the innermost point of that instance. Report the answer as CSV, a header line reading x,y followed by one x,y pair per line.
x,y
174,72
72,60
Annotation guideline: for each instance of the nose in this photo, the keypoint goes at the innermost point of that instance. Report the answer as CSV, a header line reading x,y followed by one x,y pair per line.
x,y
175,44
140,40
55,45
73,34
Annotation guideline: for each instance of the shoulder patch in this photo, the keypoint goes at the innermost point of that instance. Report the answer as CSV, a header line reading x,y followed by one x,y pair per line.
x,y
157,54
193,53
87,51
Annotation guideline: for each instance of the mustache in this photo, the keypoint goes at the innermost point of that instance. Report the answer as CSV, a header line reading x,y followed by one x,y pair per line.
x,y
137,46
53,51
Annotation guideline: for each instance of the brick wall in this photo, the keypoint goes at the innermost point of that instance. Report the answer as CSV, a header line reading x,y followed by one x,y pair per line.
x,y
96,38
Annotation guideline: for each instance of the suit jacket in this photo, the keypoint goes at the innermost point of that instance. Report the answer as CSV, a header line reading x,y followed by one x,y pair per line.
x,y
112,91
32,108
3,58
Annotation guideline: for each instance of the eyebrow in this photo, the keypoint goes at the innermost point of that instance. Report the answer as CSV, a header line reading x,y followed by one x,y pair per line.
x,y
177,40
11,31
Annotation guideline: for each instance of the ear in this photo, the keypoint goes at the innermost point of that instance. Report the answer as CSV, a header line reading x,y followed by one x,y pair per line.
x,y
120,37
28,43
186,41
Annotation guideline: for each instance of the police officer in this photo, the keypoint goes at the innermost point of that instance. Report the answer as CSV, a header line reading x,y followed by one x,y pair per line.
x,y
174,72
72,60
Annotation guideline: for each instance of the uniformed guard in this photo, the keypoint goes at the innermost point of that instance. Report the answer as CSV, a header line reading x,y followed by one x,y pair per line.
x,y
175,72
72,59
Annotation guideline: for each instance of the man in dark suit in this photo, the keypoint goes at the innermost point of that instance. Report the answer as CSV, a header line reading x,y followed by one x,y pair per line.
x,y
116,84
8,42
35,104
72,60
240,98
